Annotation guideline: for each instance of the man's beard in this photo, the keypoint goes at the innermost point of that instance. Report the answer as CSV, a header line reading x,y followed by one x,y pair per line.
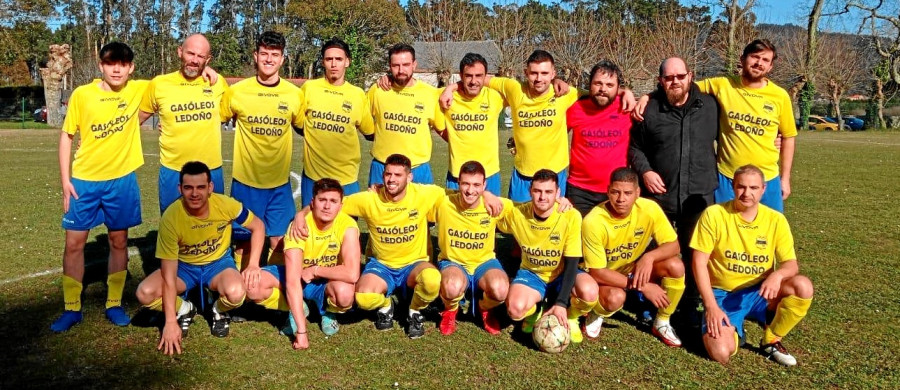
x,y
676,96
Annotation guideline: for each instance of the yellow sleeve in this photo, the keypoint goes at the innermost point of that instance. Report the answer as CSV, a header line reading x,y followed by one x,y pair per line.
x,y
706,86
573,234
355,205
594,237
433,212
663,232
367,122
236,210
291,243
370,97
148,102
432,194
786,125
167,240
225,110
507,87
438,121
299,116
705,237
571,97
784,241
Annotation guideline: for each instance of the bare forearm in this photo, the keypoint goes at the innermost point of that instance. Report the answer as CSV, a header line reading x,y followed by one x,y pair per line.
x,y
608,277
787,156
342,273
65,154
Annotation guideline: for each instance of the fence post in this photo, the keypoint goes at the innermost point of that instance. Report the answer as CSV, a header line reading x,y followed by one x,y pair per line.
x,y
22,117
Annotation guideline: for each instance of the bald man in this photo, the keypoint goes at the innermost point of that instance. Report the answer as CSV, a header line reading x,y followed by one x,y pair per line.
x,y
188,107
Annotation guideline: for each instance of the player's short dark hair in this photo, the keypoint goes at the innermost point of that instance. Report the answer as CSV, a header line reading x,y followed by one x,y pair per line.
x,y
609,68
401,48
327,184
759,45
624,175
747,169
194,168
543,175
470,59
116,52
471,168
399,159
271,40
336,43
539,56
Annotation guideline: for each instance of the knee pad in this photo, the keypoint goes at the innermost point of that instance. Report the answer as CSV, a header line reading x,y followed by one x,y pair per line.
x,y
430,281
370,301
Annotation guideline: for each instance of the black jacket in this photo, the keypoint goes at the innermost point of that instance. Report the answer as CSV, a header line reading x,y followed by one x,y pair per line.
x,y
678,143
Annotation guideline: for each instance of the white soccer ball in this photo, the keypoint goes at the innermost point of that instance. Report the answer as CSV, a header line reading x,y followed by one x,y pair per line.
x,y
549,335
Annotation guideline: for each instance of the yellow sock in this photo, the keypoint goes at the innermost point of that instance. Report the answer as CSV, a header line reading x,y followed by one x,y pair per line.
x,y
600,310
72,293
674,288
528,312
788,314
578,307
372,301
428,285
331,307
115,284
275,257
453,304
275,301
239,258
223,304
157,304
486,303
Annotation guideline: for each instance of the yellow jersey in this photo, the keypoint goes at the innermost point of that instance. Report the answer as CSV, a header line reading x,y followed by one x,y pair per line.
x,y
189,118
742,253
327,128
264,115
617,243
472,132
199,241
466,236
544,243
539,126
110,130
322,247
398,231
749,122
403,121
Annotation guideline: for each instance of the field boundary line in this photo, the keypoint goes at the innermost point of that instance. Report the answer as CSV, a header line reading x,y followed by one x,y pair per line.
x,y
132,251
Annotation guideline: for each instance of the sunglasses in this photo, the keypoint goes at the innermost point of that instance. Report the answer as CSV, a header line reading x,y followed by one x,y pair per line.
x,y
673,77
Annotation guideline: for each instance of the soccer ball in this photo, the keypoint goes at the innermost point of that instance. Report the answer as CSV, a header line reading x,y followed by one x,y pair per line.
x,y
549,335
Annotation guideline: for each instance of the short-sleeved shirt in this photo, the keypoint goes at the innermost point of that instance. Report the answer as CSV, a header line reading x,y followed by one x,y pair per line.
x,y
599,142
472,130
616,243
403,121
539,126
189,118
322,247
466,236
265,115
200,241
332,114
398,231
544,243
110,130
749,121
742,253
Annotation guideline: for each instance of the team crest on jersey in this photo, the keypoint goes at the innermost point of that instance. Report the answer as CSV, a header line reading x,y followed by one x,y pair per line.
x,y
554,238
552,101
484,107
221,228
761,242
485,222
207,91
122,105
282,107
420,107
769,107
638,232
332,246
347,106
413,214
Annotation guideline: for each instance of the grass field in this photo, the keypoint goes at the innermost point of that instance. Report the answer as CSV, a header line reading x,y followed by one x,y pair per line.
x,y
843,214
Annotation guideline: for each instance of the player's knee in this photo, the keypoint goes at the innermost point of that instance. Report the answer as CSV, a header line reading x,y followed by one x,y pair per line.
x,y
612,299
341,294
368,300
497,290
674,267
802,286
74,245
719,352
257,294
118,242
517,309
234,292
146,293
586,291
452,288
429,279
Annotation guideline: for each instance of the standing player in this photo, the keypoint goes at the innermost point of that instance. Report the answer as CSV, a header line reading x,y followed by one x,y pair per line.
x,y
188,107
600,133
194,248
617,235
736,247
101,186
550,241
322,269
264,109
467,260
404,116
471,123
334,110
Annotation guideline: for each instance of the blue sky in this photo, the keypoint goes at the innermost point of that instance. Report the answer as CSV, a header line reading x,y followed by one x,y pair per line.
x,y
796,12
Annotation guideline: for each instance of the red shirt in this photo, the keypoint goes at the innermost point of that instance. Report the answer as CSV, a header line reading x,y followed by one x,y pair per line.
x,y
599,142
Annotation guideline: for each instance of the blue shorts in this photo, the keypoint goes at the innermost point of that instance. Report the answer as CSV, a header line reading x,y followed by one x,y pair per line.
x,y
739,305
115,203
520,186
312,292
530,279
472,287
421,173
199,275
394,278
491,183
275,206
168,185
771,198
306,190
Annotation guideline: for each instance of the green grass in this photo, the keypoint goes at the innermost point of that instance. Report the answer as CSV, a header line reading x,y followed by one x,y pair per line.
x,y
843,215
28,124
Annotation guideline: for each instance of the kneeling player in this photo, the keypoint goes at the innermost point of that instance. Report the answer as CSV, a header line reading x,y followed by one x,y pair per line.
x,y
616,236
194,248
467,260
550,241
736,245
323,268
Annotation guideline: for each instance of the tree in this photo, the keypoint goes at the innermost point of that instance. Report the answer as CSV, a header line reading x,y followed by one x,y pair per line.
x,y
445,21
885,33
512,28
843,69
735,28
574,41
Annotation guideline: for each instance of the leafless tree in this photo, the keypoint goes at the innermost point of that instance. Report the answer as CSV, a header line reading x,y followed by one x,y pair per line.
x,y
844,68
